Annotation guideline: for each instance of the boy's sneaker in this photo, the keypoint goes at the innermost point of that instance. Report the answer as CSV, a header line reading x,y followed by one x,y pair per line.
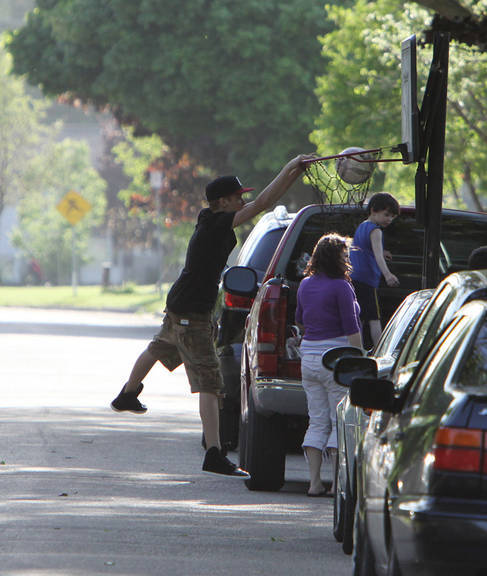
x,y
128,402
216,463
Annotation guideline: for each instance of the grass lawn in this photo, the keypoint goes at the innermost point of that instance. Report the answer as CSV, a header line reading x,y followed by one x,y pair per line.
x,y
132,298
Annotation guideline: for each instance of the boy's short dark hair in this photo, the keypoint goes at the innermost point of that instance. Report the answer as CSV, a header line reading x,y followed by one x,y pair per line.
x,y
383,201
478,258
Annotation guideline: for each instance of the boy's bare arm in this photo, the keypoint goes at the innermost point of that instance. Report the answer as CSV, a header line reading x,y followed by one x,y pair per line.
x,y
376,242
273,191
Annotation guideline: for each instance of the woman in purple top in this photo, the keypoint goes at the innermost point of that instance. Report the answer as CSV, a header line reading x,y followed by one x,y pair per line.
x,y
328,314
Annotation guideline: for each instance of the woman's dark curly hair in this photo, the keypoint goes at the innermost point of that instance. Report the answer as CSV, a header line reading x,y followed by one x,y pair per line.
x,y
331,257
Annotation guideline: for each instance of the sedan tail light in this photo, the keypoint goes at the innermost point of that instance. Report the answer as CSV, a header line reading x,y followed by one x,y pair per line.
x,y
459,449
460,460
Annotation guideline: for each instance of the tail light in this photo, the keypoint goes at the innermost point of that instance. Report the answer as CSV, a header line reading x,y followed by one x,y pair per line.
x,y
240,303
458,449
271,328
460,461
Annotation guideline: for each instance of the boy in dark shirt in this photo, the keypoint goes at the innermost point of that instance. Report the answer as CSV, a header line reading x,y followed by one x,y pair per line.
x,y
368,259
186,335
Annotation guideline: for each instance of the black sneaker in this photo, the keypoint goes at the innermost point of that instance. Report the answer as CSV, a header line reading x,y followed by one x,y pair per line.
x,y
128,402
216,463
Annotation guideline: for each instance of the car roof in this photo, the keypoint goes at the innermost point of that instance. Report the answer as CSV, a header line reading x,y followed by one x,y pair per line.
x,y
461,287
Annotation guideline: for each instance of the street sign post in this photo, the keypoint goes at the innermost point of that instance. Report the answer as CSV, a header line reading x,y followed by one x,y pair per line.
x,y
74,208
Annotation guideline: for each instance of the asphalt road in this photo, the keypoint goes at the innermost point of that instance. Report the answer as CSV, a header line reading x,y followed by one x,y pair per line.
x,y
87,491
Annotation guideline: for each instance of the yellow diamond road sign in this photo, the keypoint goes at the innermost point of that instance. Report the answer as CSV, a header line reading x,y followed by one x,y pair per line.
x,y
73,207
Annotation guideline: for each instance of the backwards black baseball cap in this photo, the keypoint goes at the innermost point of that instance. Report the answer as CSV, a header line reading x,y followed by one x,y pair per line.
x,y
224,186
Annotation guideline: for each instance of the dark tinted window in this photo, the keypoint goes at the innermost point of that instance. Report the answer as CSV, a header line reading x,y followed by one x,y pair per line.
x,y
261,256
404,239
459,237
473,375
400,326
427,327
428,389
342,222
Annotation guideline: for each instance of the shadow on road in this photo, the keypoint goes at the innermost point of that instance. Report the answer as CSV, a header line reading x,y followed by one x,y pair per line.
x,y
84,490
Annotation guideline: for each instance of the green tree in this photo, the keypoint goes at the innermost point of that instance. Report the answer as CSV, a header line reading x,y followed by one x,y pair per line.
x,y
21,131
168,214
43,233
466,153
361,102
231,84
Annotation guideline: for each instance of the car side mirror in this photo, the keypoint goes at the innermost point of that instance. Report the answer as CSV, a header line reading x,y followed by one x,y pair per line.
x,y
372,393
241,281
347,369
331,356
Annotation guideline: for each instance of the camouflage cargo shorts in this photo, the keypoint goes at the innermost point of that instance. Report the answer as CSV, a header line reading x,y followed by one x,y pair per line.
x,y
188,339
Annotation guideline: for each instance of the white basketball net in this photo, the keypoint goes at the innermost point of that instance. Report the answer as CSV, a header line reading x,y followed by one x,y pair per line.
x,y
323,177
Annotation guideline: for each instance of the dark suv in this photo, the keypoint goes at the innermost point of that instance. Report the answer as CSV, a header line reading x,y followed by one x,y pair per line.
x,y
273,402
232,311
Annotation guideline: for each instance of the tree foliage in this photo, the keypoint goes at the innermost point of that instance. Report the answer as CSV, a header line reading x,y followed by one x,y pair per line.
x,y
183,180
361,102
21,131
180,197
231,84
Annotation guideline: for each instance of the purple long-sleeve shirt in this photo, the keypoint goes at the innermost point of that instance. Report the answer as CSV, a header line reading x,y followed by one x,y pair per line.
x,y
327,307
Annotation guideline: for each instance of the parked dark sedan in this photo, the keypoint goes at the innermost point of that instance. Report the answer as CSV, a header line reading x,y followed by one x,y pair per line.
x,y
352,421
422,506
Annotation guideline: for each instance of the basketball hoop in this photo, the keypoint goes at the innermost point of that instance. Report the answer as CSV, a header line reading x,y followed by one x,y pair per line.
x,y
336,182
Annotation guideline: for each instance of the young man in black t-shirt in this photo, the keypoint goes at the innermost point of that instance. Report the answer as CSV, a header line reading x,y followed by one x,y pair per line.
x,y
186,334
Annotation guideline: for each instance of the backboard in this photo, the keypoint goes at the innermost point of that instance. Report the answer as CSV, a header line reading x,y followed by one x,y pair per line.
x,y
409,101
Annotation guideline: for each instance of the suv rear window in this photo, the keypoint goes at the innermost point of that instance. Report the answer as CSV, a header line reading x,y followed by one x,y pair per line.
x,y
459,237
404,239
342,222
262,254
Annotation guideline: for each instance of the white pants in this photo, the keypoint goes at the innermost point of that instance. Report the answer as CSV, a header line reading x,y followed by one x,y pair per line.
x,y
323,395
